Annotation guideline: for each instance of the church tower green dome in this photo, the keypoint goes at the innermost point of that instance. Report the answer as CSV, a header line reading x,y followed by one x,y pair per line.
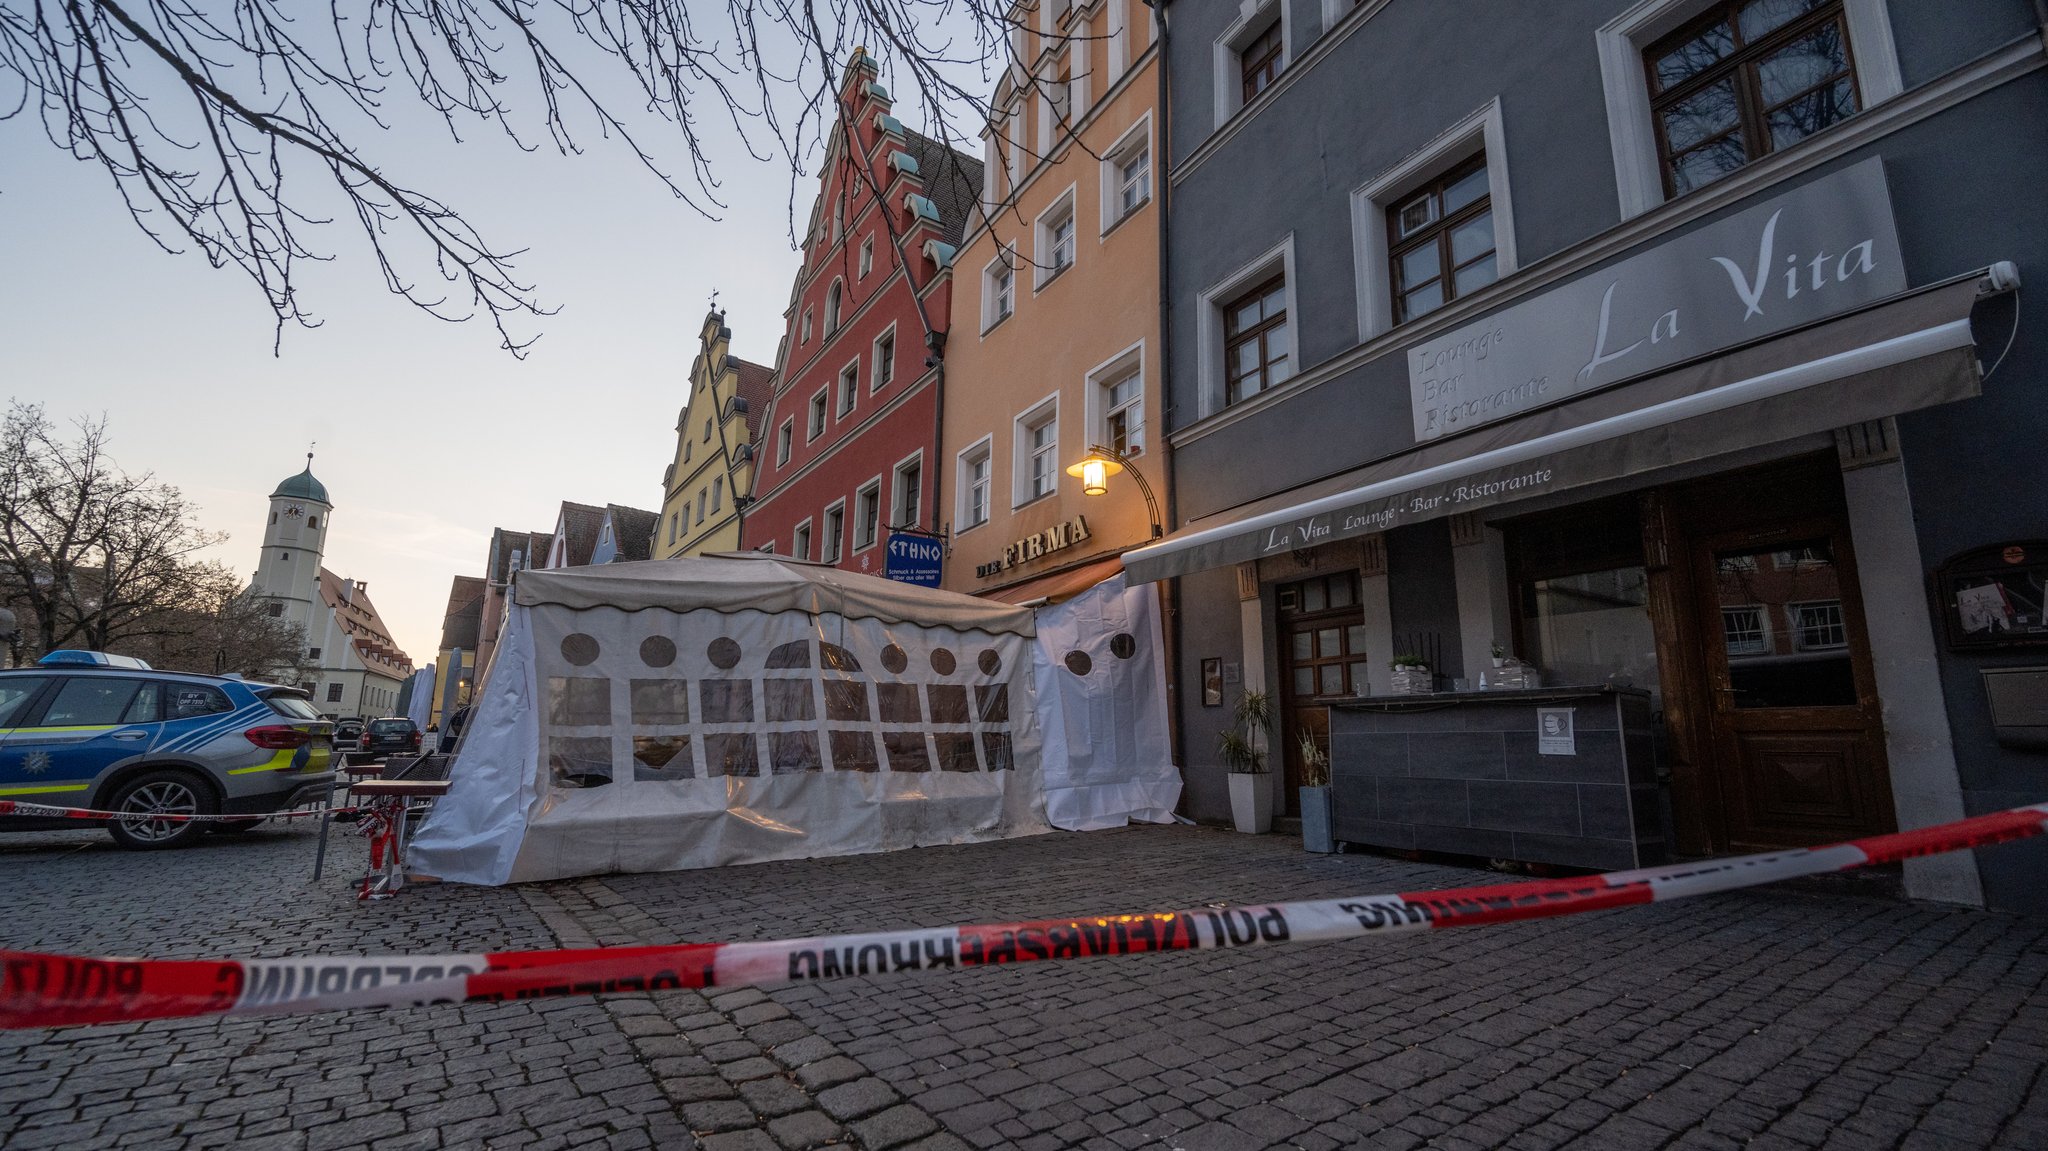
x,y
302,487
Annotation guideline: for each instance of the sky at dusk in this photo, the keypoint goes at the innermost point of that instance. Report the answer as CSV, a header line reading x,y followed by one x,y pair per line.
x,y
428,434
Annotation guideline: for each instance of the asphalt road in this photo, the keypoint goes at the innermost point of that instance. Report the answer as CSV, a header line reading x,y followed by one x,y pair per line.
x,y
1813,1017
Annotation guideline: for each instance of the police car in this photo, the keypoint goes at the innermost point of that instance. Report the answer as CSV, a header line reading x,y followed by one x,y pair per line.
x,y
110,733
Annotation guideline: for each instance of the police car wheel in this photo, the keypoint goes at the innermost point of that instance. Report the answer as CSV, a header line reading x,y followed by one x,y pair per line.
x,y
145,799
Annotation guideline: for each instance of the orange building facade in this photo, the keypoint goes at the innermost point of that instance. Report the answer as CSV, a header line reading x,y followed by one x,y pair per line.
x,y
1055,326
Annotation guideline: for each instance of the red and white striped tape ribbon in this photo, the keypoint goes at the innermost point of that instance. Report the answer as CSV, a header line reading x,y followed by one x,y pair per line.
x,y
46,811
40,990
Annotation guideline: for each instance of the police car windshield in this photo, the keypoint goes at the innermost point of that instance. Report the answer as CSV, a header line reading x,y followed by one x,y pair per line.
x,y
292,706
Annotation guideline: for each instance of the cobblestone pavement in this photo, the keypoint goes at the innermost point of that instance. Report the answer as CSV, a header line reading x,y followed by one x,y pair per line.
x,y
1779,1018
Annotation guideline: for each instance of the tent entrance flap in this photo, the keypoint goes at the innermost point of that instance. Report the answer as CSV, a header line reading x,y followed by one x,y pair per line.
x,y
1912,352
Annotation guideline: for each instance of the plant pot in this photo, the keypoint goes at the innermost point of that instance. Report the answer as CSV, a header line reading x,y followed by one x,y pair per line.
x,y
1498,660
1251,802
1317,834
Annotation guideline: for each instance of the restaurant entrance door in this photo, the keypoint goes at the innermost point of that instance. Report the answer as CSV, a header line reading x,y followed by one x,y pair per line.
x,y
1792,730
1322,651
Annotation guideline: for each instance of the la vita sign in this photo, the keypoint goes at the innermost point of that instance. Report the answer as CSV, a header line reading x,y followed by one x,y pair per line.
x,y
1823,248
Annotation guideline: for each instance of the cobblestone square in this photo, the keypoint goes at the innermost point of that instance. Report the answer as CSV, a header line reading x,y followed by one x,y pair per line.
x,y
1815,1016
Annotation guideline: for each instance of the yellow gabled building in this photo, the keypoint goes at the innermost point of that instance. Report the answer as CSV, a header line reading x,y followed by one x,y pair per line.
x,y
712,475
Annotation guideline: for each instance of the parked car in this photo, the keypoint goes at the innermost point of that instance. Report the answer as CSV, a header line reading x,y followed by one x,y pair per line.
x,y
348,734
384,737
88,733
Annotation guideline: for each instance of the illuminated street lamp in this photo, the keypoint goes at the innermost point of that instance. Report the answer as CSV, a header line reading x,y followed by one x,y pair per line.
x,y
1094,470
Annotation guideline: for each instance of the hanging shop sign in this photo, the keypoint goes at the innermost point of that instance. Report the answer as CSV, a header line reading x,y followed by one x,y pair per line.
x,y
1037,545
1816,251
914,558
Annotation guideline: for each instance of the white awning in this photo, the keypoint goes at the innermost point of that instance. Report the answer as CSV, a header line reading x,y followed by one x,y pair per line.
x,y
1910,352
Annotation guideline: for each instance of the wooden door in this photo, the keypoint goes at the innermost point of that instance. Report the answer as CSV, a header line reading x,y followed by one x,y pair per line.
x,y
1322,654
1793,723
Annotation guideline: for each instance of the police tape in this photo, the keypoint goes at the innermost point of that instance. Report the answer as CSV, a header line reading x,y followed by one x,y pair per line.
x,y
46,811
43,990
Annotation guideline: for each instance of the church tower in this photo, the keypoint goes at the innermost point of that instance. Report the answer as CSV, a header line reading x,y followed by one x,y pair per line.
x,y
289,572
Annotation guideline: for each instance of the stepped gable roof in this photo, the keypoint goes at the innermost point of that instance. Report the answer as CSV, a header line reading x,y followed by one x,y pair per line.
x,y
633,529
462,623
952,181
581,523
757,387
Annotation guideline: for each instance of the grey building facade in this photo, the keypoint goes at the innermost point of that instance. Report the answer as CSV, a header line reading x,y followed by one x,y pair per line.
x,y
1669,344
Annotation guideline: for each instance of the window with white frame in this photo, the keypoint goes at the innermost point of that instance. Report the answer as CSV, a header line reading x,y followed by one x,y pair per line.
x,y
906,498
885,358
800,541
1250,55
1055,252
816,427
1440,241
1245,332
702,496
867,256
672,521
1697,88
849,388
1746,629
806,337
1745,79
1818,626
1062,94
1437,226
1013,161
835,532
974,486
867,514
1127,175
783,438
687,447
1258,341
717,494
1115,401
1037,452
998,289
835,299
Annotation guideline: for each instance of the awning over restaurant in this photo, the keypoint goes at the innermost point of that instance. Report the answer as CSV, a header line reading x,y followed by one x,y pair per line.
x,y
1061,585
1912,351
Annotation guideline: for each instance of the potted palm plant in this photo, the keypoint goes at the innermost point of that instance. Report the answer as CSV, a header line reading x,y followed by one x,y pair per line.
x,y
1317,832
1243,747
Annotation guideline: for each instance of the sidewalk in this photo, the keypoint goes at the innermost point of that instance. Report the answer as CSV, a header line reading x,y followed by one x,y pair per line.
x,y
1773,1018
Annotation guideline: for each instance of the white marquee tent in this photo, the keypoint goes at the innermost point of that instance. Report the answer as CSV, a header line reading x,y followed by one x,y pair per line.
x,y
689,713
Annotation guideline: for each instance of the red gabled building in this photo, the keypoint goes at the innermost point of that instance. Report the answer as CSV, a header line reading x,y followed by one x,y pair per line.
x,y
848,448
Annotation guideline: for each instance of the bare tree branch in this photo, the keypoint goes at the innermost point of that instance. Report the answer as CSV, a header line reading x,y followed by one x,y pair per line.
x,y
200,110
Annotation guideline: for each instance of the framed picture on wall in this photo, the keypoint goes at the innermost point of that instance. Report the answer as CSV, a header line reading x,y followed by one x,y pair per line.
x,y
1995,596
1212,682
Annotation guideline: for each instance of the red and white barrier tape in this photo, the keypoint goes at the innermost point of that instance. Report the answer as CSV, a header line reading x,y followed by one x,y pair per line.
x,y
39,990
45,811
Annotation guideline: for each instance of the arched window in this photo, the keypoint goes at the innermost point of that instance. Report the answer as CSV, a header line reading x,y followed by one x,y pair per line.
x,y
833,300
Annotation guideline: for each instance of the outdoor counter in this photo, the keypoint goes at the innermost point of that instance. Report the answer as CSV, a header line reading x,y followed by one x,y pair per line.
x,y
1476,773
